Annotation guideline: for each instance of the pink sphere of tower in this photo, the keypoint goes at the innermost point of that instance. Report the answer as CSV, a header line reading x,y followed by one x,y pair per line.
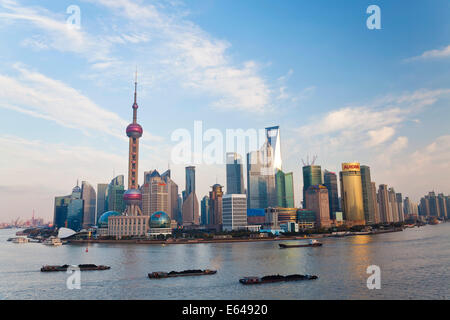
x,y
134,130
132,196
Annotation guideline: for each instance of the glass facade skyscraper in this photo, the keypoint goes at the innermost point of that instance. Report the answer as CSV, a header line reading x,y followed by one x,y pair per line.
x,y
312,175
330,181
89,197
75,210
369,208
352,194
285,189
114,197
235,178
190,180
204,204
102,205
60,212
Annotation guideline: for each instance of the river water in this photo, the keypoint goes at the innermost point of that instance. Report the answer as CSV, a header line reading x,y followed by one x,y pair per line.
x,y
415,264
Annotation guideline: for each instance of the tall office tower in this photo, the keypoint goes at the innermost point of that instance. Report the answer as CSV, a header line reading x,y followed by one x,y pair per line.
x,y
133,196
75,210
284,183
433,204
89,203
317,200
172,189
352,194
399,200
273,139
369,208
447,206
114,197
424,207
235,176
180,210
256,184
155,194
190,208
204,204
215,209
375,202
312,176
102,205
385,208
60,211
330,181
234,212
190,180
442,205
393,204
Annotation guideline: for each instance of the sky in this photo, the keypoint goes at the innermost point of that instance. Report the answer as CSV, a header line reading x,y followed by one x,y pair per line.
x,y
336,88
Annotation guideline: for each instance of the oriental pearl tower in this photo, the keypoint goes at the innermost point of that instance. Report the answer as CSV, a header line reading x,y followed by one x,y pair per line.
x,y
133,196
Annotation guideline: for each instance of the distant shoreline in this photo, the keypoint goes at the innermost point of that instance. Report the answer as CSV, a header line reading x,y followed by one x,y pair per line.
x,y
197,241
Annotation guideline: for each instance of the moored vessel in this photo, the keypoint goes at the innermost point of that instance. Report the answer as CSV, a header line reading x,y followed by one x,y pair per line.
x,y
277,278
82,267
311,243
184,273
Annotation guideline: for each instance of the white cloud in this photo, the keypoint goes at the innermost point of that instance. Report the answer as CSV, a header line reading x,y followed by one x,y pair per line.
x,y
380,136
37,95
433,54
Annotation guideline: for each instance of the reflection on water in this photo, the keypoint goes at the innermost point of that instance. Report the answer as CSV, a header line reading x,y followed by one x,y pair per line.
x,y
414,265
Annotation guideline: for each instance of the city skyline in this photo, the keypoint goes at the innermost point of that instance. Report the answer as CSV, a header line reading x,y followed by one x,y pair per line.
x,y
73,117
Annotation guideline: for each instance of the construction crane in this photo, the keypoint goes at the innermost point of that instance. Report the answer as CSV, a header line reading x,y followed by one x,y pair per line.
x,y
309,163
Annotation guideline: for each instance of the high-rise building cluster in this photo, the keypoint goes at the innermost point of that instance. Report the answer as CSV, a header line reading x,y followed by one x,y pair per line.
x,y
156,207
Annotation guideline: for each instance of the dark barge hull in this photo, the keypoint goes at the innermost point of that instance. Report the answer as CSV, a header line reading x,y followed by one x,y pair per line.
x,y
285,246
284,279
81,267
175,275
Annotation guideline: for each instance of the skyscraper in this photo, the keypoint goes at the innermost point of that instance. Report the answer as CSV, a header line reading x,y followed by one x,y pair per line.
x,y
375,203
368,201
317,200
312,175
235,177
399,201
330,181
60,211
442,205
273,139
114,196
234,212
262,166
351,190
155,194
393,205
89,197
205,216
285,189
133,196
75,210
172,189
383,201
190,208
102,205
215,209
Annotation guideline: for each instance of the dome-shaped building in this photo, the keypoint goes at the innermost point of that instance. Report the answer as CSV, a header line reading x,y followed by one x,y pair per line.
x,y
159,224
103,220
159,219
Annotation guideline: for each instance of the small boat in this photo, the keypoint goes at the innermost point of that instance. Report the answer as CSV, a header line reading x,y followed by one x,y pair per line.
x,y
312,243
276,278
20,240
185,273
53,241
82,267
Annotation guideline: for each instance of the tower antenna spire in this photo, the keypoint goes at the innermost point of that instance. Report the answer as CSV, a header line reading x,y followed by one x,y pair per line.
x,y
135,86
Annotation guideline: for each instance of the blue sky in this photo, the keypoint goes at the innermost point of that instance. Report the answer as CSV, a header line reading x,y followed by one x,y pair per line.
x,y
336,88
